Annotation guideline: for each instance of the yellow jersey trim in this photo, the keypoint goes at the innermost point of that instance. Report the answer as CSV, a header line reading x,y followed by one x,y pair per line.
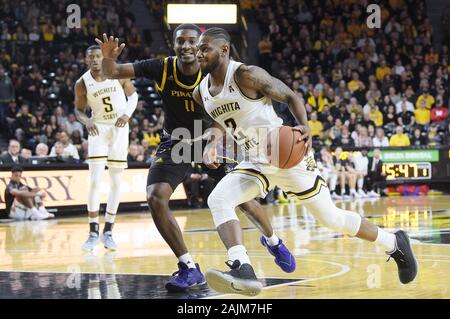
x,y
313,191
263,179
187,87
164,77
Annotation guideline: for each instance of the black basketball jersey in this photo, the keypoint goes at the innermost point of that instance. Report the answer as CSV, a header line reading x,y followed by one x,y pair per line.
x,y
175,89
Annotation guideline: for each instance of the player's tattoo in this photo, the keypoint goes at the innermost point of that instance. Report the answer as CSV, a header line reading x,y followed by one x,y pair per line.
x,y
264,83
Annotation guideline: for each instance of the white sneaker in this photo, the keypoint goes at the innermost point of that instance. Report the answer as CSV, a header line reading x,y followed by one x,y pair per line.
x,y
362,193
355,195
335,196
44,213
374,194
28,214
346,197
36,214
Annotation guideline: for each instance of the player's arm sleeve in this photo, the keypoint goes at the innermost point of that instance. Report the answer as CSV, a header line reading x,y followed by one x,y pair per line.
x,y
132,97
150,68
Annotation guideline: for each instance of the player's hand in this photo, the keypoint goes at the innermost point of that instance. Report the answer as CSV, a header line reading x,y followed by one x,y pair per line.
x,y
110,46
91,128
122,121
306,136
210,157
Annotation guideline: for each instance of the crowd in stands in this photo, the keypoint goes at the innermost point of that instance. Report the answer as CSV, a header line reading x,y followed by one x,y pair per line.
x,y
386,87
40,60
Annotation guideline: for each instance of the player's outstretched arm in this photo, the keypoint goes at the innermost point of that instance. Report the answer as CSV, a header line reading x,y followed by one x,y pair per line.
x,y
81,106
111,51
253,78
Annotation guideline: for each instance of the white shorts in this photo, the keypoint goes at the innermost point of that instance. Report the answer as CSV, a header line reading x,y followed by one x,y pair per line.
x,y
110,146
18,211
303,181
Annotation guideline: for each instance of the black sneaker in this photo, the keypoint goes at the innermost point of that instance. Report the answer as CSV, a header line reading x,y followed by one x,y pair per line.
x,y
404,257
241,279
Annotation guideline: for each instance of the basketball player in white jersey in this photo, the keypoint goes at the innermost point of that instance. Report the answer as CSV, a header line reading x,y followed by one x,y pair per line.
x,y
112,103
239,97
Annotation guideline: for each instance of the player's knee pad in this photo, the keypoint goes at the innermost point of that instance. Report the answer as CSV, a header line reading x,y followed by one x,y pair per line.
x,y
222,209
333,217
341,221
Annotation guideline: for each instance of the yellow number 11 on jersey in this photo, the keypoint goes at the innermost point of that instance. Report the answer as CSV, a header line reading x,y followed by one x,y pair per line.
x,y
189,105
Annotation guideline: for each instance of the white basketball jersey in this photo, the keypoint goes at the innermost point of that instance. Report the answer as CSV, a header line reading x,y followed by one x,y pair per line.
x,y
251,119
106,99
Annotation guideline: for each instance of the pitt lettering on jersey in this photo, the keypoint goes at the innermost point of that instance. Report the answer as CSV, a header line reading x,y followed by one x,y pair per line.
x,y
225,108
181,94
111,89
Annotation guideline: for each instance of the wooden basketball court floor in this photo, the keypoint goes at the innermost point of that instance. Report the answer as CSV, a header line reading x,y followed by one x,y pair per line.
x,y
43,259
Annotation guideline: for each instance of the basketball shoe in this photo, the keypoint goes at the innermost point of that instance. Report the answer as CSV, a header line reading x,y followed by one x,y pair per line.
x,y
91,242
186,278
108,241
283,257
241,279
404,257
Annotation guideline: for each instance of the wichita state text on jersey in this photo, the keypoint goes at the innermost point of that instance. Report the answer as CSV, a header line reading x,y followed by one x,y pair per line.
x,y
106,99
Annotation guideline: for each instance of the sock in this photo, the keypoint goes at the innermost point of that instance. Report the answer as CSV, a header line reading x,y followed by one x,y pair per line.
x,y
386,240
108,227
240,253
360,183
352,191
272,240
93,224
187,259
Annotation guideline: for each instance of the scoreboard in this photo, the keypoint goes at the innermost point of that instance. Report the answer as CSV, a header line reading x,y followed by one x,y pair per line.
x,y
403,171
417,165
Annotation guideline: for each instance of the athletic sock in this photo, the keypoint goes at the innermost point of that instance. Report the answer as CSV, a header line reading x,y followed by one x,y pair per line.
x,y
272,240
187,259
239,252
386,240
108,227
360,183
93,225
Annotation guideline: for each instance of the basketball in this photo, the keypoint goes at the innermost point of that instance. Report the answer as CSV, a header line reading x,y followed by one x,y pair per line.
x,y
283,148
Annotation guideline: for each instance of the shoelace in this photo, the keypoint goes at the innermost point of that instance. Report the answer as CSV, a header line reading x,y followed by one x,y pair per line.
x,y
400,259
181,273
232,264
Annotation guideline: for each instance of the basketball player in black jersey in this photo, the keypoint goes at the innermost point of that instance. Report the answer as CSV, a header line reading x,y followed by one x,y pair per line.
x,y
176,77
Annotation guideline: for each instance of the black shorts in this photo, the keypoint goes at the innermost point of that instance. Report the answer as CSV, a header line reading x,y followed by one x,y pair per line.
x,y
164,170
